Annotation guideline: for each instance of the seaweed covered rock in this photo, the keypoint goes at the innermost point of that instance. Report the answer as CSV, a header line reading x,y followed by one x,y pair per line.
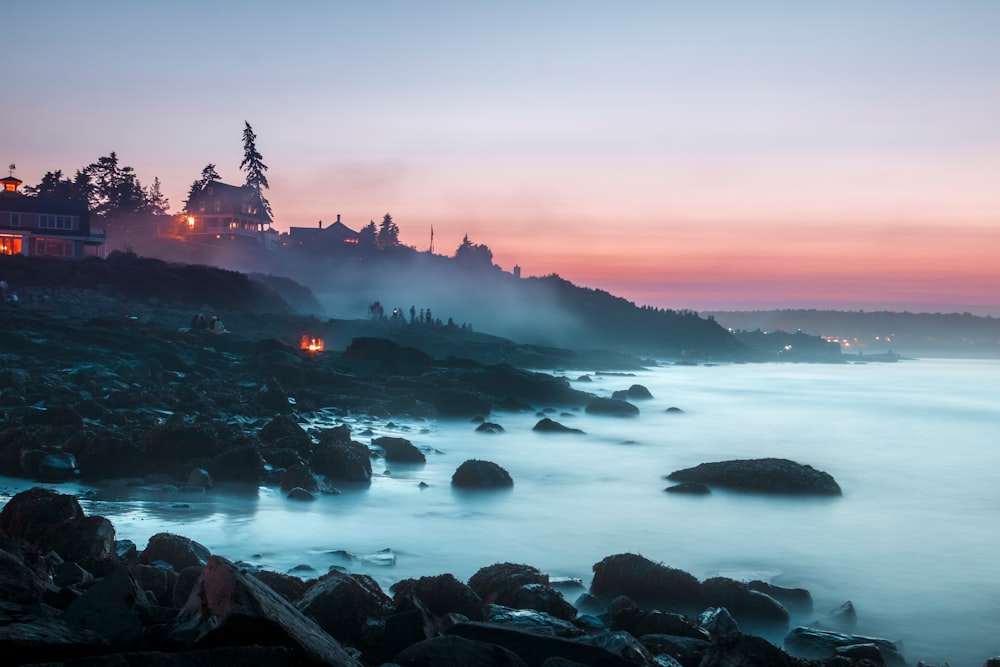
x,y
647,583
350,462
768,475
442,594
520,587
351,607
29,515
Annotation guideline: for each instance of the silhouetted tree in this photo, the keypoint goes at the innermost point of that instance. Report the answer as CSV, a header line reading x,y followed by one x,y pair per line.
x,y
155,201
53,184
368,235
115,190
474,253
208,174
388,233
253,165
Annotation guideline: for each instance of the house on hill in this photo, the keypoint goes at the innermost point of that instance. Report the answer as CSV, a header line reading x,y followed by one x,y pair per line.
x,y
323,240
222,214
36,226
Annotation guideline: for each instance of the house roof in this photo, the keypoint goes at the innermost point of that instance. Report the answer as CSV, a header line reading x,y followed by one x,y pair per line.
x,y
337,231
237,200
19,203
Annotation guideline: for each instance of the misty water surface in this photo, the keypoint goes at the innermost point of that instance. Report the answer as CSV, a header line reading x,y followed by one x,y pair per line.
x,y
913,542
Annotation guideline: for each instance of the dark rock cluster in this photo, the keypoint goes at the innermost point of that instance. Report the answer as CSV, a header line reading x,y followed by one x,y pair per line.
x,y
90,599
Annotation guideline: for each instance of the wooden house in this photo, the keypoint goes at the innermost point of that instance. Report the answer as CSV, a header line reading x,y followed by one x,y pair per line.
x,y
37,226
222,214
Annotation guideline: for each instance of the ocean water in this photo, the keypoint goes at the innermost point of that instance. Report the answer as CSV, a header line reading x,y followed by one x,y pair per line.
x,y
914,542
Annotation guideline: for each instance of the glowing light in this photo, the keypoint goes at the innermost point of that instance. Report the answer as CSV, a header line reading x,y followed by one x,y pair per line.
x,y
190,222
311,343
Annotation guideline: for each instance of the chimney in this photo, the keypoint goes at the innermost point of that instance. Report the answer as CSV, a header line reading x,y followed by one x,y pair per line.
x,y
320,223
517,271
338,217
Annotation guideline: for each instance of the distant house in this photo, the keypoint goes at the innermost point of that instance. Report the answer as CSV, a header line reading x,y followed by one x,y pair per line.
x,y
227,214
323,240
36,226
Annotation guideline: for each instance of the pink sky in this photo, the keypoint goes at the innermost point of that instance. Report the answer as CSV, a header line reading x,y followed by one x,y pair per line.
x,y
680,156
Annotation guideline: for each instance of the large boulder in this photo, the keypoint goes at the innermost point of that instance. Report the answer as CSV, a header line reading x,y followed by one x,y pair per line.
x,y
350,462
399,450
506,382
749,607
612,407
763,475
820,644
605,649
231,608
171,445
179,551
521,587
476,474
351,607
387,357
747,650
647,583
30,514
88,541
795,600
442,594
546,425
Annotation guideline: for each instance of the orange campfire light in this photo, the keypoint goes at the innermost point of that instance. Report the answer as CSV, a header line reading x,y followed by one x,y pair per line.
x,y
311,343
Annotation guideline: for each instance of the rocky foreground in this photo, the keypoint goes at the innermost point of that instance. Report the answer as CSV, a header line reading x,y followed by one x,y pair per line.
x,y
71,594
96,388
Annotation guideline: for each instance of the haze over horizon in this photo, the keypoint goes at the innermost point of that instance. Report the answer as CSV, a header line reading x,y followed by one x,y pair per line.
x,y
732,156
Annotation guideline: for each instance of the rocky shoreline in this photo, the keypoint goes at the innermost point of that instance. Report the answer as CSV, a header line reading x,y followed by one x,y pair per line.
x,y
93,387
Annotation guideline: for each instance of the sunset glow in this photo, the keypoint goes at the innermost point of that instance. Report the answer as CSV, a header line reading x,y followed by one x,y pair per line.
x,y
744,155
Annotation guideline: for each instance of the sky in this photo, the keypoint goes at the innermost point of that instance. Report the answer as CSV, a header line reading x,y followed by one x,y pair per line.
x,y
722,155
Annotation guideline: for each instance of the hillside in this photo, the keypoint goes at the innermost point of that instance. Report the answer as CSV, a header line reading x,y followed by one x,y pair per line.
x,y
910,334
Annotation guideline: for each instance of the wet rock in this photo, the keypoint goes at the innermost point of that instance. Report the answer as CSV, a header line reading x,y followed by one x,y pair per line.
x,y
199,477
750,608
718,622
230,608
180,552
762,475
351,607
820,644
350,462
688,651
531,620
289,587
639,392
795,600
611,407
89,541
272,396
489,428
284,432
517,387
57,467
476,474
746,650
49,640
157,579
456,651
19,584
674,411
242,463
534,649
844,617
298,493
171,445
442,594
29,515
647,583
546,425
111,608
387,357
399,450
299,476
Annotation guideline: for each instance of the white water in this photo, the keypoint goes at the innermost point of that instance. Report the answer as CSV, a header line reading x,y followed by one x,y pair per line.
x,y
913,542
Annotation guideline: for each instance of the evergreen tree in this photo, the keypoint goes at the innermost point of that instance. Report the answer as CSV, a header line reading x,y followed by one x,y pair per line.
x,y
367,236
208,174
54,185
388,233
115,191
254,166
474,253
155,201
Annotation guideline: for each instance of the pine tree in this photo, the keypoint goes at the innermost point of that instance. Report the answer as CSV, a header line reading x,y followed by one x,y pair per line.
x,y
254,166
388,233
208,174
155,201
